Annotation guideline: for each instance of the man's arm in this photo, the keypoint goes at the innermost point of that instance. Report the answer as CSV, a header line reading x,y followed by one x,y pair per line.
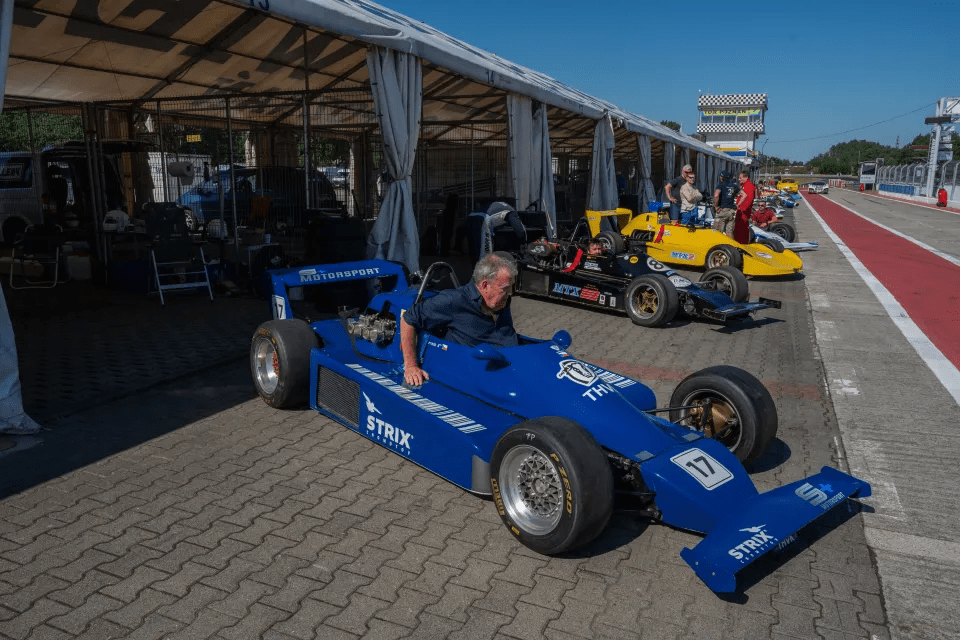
x,y
412,373
667,189
716,198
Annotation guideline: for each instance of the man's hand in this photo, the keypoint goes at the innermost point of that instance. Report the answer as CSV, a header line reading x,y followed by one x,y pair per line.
x,y
415,376
412,373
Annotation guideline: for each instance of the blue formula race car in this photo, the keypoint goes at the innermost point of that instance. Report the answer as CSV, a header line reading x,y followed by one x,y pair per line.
x,y
553,439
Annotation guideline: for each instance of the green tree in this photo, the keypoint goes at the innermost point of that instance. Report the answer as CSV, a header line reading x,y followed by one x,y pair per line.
x,y
671,124
48,128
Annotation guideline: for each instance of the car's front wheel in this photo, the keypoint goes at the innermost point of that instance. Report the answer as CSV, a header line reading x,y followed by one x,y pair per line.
x,y
730,281
783,230
651,301
774,245
552,484
729,405
280,362
724,255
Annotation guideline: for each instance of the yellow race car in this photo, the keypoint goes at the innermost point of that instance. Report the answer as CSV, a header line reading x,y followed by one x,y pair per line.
x,y
690,245
788,184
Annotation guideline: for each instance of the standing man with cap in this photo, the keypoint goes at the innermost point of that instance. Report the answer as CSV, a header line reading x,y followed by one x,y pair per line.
x,y
748,193
724,199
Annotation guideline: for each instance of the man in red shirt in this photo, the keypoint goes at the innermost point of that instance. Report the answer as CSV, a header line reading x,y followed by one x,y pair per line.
x,y
745,198
763,217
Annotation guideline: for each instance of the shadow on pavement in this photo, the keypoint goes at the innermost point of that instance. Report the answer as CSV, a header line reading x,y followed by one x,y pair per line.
x,y
74,442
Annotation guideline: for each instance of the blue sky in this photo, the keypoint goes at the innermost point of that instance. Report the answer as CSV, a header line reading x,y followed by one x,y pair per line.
x,y
827,68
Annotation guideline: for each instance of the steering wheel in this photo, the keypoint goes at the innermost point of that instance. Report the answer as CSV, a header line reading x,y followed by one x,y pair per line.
x,y
434,277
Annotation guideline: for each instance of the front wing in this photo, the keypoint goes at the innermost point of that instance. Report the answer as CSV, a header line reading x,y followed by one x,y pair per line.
x,y
766,523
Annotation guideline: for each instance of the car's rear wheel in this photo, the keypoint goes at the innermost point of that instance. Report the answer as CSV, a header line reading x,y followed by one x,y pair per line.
x,y
611,241
724,255
280,362
12,228
730,281
783,230
552,484
741,415
651,301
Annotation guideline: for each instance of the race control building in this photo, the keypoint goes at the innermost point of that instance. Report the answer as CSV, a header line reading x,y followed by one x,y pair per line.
x,y
732,122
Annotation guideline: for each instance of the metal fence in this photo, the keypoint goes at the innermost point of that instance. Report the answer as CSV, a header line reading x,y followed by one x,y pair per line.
x,y
911,179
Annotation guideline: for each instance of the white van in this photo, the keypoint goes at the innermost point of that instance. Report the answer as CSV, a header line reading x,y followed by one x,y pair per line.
x,y
21,191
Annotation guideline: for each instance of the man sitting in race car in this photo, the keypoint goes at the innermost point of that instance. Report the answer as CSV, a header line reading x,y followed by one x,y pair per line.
x,y
763,217
477,312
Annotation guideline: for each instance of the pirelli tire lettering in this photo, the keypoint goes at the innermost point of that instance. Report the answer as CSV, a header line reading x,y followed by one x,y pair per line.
x,y
541,472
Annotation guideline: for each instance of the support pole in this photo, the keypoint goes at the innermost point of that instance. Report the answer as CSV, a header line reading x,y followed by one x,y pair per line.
x,y
233,183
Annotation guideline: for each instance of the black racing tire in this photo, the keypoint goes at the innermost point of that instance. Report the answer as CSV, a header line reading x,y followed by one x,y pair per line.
x,y
784,230
774,245
216,229
280,362
611,240
730,281
743,416
552,484
651,300
724,255
12,227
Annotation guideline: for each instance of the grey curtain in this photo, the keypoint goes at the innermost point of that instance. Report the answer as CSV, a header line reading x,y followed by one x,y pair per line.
x,y
669,164
12,417
686,156
544,177
520,139
703,181
603,175
6,27
531,162
396,81
647,191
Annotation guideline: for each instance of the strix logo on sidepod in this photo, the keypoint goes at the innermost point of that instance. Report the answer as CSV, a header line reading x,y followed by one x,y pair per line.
x,y
384,432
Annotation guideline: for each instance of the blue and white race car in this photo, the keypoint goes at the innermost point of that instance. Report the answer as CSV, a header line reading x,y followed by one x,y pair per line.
x,y
553,439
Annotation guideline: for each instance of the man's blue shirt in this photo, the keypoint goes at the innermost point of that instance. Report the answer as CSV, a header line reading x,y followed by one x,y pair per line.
x,y
459,313
728,191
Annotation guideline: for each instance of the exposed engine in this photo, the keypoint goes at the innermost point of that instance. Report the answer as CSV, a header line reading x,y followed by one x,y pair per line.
x,y
378,328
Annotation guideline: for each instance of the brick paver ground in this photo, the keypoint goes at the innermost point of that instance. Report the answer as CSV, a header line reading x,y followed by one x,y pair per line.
x,y
193,510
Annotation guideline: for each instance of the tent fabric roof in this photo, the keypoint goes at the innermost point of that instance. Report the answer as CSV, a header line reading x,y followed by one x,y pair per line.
x,y
137,51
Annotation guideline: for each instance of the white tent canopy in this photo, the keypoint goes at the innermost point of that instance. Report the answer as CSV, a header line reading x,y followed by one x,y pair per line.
x,y
125,50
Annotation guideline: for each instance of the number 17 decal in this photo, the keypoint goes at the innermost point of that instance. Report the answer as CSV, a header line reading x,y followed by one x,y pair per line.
x,y
704,469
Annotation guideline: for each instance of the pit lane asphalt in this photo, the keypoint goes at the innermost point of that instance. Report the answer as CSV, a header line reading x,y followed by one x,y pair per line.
x,y
898,420
191,509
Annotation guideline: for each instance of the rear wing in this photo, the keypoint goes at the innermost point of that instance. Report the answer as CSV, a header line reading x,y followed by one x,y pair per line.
x,y
283,280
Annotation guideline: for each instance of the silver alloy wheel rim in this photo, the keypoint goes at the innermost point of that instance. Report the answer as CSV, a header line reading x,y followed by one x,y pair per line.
x,y
266,366
700,395
531,490
722,283
719,259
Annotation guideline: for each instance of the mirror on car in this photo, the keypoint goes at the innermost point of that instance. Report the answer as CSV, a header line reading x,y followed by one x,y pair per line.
x,y
562,339
488,352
